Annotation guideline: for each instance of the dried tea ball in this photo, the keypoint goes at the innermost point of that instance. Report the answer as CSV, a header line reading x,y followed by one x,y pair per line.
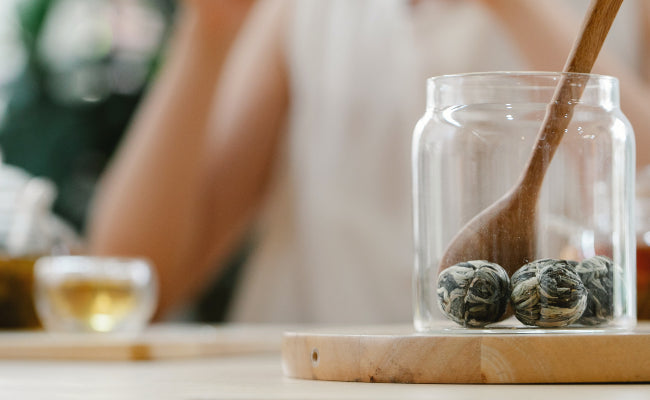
x,y
548,293
473,293
597,275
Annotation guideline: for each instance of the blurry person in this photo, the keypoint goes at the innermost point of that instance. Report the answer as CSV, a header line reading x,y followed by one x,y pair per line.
x,y
299,131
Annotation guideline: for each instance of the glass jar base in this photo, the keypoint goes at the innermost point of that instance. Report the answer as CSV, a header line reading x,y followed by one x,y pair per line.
x,y
513,326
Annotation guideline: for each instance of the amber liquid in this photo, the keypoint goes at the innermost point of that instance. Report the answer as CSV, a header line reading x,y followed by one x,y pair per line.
x,y
643,281
95,305
16,286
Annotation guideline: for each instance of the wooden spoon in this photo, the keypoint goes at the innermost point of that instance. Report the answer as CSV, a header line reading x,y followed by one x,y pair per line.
x,y
505,232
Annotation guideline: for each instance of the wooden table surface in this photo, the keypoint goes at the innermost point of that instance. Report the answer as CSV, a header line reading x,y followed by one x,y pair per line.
x,y
248,375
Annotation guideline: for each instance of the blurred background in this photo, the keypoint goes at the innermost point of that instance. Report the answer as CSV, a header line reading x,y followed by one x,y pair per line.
x,y
71,75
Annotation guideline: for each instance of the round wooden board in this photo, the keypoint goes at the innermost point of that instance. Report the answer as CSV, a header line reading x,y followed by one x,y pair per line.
x,y
396,354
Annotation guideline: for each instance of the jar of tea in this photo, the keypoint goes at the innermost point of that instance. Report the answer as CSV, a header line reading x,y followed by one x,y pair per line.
x,y
470,149
28,231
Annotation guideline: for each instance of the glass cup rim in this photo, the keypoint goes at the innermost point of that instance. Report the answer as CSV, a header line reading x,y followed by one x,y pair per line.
x,y
94,258
51,267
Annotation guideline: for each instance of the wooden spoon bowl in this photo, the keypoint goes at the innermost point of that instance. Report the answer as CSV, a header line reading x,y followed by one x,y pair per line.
x,y
505,233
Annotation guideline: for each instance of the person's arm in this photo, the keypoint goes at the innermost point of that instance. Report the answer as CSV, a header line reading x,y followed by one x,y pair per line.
x,y
194,165
544,31
644,45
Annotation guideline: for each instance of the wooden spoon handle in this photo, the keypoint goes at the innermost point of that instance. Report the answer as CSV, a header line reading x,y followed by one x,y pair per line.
x,y
599,19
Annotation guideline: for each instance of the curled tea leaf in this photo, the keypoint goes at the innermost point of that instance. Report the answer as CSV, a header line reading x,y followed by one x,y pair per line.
x,y
548,293
473,293
596,274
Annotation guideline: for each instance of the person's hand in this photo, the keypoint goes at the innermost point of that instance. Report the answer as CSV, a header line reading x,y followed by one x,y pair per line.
x,y
224,16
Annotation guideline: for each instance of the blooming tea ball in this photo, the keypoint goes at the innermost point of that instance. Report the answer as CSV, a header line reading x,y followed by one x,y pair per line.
x,y
597,275
473,293
548,293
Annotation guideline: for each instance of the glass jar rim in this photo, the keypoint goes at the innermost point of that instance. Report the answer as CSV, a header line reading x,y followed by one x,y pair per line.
x,y
519,86
496,74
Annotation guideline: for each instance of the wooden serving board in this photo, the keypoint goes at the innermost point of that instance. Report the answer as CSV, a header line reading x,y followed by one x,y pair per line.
x,y
396,354
156,342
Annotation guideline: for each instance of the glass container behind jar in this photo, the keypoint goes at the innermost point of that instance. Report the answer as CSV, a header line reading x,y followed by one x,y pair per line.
x,y
643,244
469,150
26,233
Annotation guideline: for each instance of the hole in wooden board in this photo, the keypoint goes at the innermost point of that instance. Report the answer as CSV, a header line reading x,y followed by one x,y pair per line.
x,y
315,359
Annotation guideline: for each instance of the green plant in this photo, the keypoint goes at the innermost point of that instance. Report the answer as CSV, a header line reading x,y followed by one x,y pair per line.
x,y
51,130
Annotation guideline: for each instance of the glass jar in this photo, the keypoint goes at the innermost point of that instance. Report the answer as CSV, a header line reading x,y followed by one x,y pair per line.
x,y
469,150
26,233
28,230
